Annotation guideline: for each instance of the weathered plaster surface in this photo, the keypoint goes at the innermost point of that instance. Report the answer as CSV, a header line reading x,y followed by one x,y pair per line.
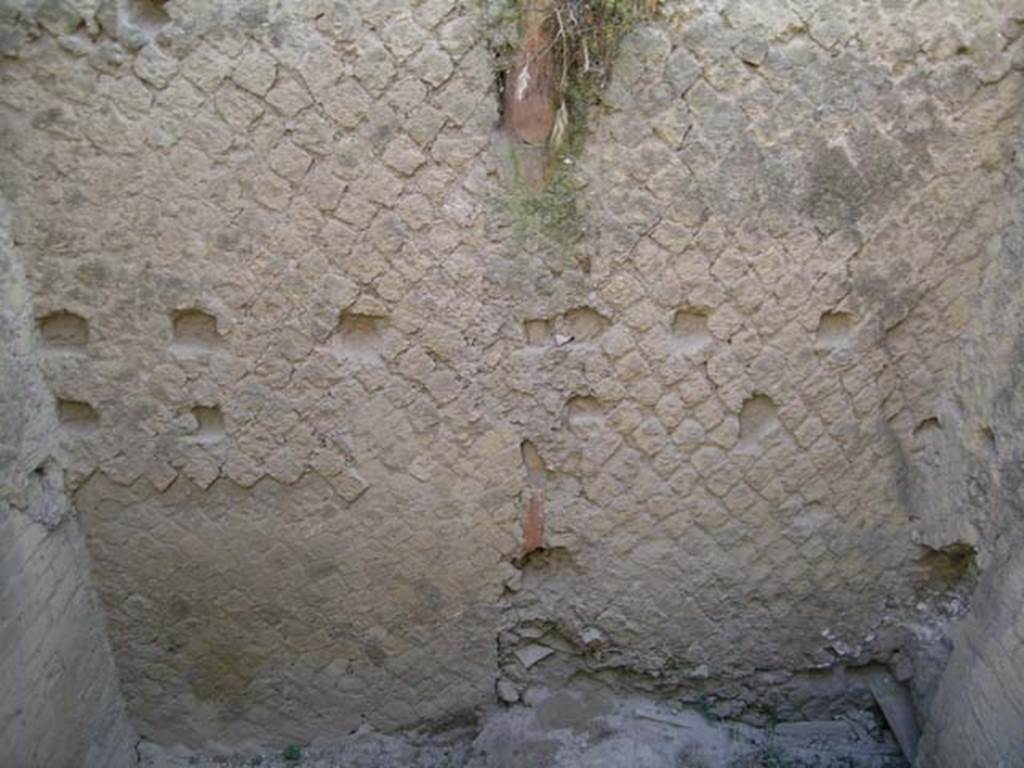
x,y
321,330
60,706
979,703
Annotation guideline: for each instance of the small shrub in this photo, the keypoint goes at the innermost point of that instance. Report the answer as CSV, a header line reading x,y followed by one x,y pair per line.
x,y
292,753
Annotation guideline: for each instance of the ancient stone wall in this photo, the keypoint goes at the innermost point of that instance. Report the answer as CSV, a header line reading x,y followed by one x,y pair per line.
x,y
60,706
365,429
976,716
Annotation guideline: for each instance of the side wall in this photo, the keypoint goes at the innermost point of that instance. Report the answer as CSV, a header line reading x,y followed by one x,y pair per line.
x,y
60,704
976,716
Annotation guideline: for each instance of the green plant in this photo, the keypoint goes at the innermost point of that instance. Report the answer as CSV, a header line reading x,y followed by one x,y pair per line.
x,y
585,41
589,32
551,211
292,753
582,39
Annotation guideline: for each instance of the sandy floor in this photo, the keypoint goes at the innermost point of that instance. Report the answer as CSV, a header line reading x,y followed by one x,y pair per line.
x,y
582,728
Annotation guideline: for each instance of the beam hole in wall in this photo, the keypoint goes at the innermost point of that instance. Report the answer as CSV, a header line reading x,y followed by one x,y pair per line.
x,y
988,437
77,416
759,417
927,442
209,424
927,427
947,566
578,325
690,330
360,335
584,324
834,331
195,332
145,15
583,411
64,331
536,469
538,333
46,500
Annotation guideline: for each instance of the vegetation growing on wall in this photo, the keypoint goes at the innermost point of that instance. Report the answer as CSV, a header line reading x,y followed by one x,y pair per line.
x,y
586,40
560,65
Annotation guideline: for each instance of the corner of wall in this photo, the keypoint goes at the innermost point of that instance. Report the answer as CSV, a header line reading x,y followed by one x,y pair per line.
x,y
977,710
61,702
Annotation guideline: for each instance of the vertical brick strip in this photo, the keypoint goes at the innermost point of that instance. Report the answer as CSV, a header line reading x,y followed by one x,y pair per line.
x,y
533,524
